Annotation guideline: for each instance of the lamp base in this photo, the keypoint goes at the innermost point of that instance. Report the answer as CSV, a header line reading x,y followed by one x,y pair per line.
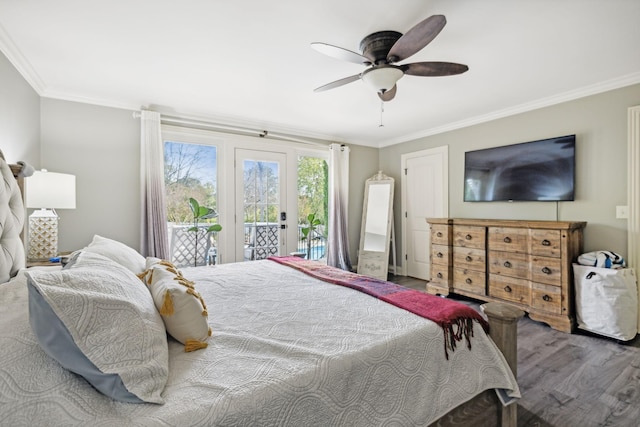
x,y
43,235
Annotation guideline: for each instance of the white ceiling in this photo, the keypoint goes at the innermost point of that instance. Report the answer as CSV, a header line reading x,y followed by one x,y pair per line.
x,y
249,62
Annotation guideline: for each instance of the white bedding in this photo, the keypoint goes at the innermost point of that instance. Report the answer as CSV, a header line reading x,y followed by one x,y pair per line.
x,y
286,349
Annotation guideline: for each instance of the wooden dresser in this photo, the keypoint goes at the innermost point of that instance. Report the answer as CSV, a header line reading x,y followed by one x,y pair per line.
x,y
523,263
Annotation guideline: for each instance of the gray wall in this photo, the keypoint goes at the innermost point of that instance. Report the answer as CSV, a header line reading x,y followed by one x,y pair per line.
x,y
363,164
19,116
600,125
101,147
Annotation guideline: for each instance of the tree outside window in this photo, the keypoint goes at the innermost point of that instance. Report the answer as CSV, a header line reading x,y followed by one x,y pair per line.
x,y
313,187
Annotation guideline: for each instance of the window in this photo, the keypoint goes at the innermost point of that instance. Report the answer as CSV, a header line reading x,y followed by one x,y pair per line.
x,y
190,171
261,184
252,186
313,180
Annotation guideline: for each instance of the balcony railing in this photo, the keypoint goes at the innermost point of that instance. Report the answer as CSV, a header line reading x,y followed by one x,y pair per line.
x,y
261,240
182,245
318,244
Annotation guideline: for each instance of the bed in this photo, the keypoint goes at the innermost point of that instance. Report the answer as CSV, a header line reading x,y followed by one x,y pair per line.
x,y
277,346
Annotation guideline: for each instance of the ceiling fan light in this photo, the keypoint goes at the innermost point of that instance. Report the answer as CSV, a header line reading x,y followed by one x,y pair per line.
x,y
382,78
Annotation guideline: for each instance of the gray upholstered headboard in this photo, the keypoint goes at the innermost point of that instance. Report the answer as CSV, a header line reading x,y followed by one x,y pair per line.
x,y
12,215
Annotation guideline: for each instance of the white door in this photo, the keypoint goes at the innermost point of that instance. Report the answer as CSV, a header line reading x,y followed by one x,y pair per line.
x,y
425,191
260,206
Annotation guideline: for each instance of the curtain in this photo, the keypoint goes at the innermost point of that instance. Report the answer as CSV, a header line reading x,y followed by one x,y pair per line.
x,y
154,239
338,238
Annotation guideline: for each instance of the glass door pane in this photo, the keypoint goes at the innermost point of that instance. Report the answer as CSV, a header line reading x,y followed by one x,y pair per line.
x,y
313,202
260,193
190,171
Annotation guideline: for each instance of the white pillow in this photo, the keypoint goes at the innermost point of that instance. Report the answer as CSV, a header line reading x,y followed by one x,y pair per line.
x,y
118,252
97,319
182,308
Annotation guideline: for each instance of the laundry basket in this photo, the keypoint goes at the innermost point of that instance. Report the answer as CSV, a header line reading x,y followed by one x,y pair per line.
x,y
606,301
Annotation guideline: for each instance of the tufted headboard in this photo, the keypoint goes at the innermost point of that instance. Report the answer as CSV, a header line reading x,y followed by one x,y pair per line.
x,y
12,215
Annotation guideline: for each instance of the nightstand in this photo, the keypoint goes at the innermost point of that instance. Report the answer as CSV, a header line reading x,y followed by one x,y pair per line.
x,y
41,263
63,256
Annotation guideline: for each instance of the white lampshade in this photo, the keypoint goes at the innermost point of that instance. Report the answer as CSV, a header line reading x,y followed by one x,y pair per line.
x,y
45,191
51,190
382,78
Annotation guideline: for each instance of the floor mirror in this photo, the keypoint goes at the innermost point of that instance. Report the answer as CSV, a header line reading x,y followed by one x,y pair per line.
x,y
376,233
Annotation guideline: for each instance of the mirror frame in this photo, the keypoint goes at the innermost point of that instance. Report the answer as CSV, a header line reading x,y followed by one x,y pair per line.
x,y
376,263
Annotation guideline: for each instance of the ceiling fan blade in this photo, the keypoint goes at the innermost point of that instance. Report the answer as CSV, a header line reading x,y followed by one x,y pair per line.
x,y
340,53
389,94
433,69
337,83
416,38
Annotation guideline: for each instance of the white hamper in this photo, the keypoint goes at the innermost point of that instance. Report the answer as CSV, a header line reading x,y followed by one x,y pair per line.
x,y
607,301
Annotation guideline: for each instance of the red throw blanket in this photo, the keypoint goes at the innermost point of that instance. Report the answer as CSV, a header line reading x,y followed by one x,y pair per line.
x,y
455,319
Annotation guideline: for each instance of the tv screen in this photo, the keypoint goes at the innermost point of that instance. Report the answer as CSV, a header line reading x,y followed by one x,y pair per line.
x,y
531,171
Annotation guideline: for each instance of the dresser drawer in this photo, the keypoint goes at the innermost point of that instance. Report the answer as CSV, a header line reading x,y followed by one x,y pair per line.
x,y
546,297
509,264
469,280
474,259
546,270
440,254
440,234
545,243
469,236
441,273
509,239
509,289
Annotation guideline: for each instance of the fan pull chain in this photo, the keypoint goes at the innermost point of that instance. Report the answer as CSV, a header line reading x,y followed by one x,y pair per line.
x,y
381,125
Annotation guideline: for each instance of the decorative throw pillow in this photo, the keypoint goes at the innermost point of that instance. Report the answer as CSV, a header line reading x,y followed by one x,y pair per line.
x,y
118,252
97,319
182,308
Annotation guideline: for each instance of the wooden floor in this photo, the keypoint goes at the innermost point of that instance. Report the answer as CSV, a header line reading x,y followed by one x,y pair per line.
x,y
567,380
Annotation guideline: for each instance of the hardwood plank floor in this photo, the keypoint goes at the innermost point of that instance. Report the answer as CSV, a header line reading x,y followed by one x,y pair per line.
x,y
570,380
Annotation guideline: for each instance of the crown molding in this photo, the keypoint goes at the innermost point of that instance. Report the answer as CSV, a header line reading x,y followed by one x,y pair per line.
x,y
617,83
17,59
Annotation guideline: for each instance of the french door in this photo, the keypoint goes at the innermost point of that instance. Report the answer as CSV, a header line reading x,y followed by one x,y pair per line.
x,y
260,204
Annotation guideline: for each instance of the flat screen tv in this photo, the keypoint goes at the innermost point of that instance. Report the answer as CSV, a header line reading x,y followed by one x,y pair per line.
x,y
530,171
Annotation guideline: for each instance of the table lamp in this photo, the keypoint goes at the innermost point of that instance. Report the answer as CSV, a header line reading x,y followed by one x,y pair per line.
x,y
47,191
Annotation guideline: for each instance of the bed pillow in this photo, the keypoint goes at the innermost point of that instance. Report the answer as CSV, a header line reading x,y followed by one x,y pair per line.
x,y
118,252
182,308
98,320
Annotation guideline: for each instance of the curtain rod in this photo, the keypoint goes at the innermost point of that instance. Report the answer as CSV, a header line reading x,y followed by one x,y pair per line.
x,y
215,126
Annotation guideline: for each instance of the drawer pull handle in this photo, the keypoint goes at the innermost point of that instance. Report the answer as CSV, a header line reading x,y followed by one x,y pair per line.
x,y
439,234
439,255
547,298
507,239
507,264
439,275
507,288
546,270
468,258
545,242
468,237
469,281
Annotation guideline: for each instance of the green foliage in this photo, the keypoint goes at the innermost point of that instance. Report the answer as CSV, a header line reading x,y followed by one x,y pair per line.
x,y
184,164
313,180
201,213
309,231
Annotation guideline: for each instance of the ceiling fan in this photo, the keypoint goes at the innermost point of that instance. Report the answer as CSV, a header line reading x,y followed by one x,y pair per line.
x,y
381,51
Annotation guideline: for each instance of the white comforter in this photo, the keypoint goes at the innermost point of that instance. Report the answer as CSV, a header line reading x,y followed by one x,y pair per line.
x,y
286,350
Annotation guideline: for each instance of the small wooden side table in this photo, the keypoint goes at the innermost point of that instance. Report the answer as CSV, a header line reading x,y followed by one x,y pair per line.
x,y
40,263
